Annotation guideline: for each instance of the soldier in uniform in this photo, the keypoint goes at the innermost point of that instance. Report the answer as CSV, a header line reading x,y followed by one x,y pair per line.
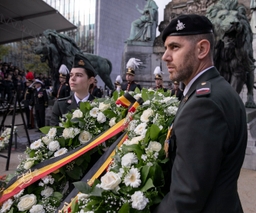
x,y
40,102
176,91
82,75
130,84
27,101
158,79
63,88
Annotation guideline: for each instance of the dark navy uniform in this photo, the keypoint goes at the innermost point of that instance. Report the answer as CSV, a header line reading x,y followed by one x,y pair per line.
x,y
28,96
63,106
63,91
130,86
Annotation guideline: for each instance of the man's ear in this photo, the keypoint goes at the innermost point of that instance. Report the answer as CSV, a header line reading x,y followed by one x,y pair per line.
x,y
203,48
91,80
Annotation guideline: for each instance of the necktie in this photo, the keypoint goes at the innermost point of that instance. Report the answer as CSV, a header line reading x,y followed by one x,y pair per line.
x,y
128,87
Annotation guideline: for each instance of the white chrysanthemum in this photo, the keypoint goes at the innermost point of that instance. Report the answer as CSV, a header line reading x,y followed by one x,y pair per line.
x,y
94,112
134,140
154,146
37,209
6,206
36,144
101,118
171,110
141,129
103,106
129,159
146,115
84,137
26,202
46,139
47,192
112,121
60,152
110,181
54,146
139,201
28,164
52,132
132,178
77,114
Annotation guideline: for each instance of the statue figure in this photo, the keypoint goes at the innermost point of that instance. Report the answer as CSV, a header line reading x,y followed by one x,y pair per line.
x,y
58,49
142,29
233,51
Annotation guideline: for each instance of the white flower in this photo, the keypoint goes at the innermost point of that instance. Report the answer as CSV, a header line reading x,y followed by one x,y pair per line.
x,y
137,96
171,110
134,140
37,209
141,129
112,121
47,139
60,152
52,132
54,146
129,159
146,115
70,132
139,201
101,118
47,192
133,178
146,103
81,196
94,112
19,194
48,179
154,146
110,181
26,202
132,125
103,106
28,164
6,206
77,114
36,144
84,137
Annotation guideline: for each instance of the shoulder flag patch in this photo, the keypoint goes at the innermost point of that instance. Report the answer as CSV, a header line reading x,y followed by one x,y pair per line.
x,y
203,89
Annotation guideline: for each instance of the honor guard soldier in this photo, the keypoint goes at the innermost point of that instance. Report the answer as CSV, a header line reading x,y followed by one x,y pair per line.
x,y
27,101
82,75
176,91
159,79
63,89
40,102
130,84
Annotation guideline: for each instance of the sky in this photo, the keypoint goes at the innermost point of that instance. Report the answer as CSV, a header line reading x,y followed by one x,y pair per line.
x,y
161,5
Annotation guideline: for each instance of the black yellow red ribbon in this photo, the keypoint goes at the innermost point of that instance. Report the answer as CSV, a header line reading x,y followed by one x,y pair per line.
x,y
41,170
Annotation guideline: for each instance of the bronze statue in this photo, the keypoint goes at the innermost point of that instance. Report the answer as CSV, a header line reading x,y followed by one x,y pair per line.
x,y
233,52
57,49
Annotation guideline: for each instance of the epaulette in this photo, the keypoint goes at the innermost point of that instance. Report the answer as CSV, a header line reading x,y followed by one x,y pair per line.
x,y
203,89
67,84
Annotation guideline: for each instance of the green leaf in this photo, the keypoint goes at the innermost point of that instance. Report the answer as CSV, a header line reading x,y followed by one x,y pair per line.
x,y
144,173
57,195
125,208
45,129
154,132
96,191
149,184
76,173
83,187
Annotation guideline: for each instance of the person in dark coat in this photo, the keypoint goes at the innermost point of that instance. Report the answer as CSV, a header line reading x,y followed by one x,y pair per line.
x,y
159,79
176,91
82,75
209,133
40,103
130,84
95,90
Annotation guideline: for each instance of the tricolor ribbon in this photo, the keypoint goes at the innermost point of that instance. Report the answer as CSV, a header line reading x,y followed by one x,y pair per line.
x,y
46,167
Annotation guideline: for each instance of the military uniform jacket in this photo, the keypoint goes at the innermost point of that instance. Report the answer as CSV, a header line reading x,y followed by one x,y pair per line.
x,y
208,147
40,99
132,86
63,106
28,95
63,91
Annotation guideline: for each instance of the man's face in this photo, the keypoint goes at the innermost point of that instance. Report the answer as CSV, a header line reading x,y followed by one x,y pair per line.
x,y
79,81
180,58
129,77
158,82
62,80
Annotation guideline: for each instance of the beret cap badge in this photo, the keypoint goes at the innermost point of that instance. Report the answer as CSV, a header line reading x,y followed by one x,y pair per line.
x,y
180,26
81,63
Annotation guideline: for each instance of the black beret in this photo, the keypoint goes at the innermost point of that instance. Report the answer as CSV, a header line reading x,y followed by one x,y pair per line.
x,y
191,24
81,61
